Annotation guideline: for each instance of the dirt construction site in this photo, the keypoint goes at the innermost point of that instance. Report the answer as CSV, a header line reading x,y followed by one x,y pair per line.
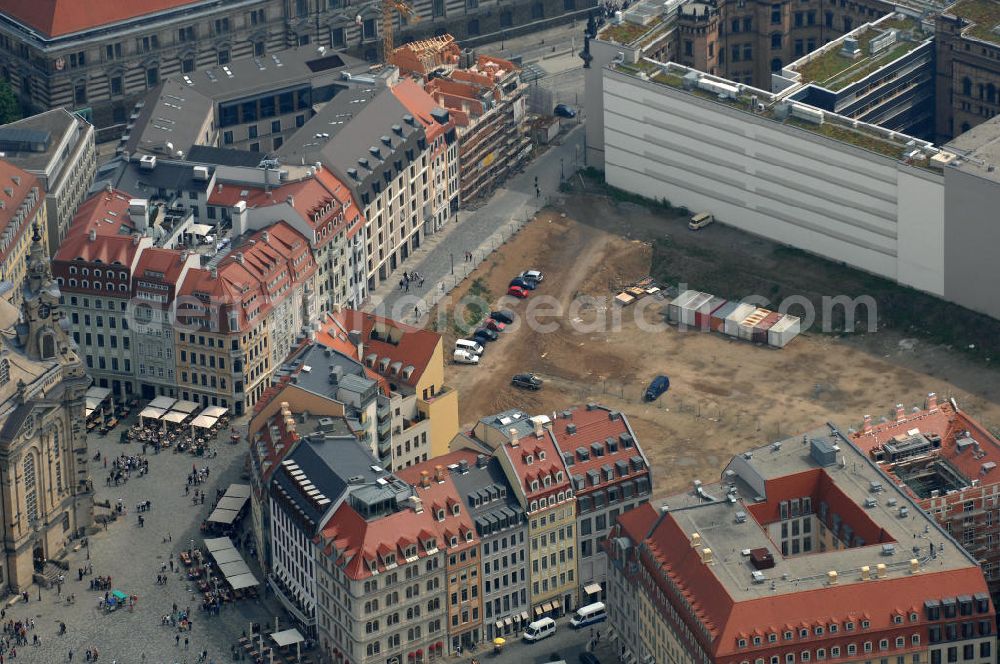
x,y
725,395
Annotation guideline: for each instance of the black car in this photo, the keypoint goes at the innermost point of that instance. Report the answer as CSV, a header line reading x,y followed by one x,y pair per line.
x,y
484,334
564,111
527,284
505,316
527,381
589,658
659,385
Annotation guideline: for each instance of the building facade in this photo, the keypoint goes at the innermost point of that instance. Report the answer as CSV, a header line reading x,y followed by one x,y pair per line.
x,y
47,490
22,207
799,554
58,148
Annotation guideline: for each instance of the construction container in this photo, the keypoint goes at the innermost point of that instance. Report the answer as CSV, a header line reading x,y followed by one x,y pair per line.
x,y
783,331
746,326
761,329
624,299
717,321
673,309
733,320
687,310
703,315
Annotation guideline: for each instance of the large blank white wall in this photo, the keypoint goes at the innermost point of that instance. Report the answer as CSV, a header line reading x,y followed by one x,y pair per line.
x,y
776,181
921,230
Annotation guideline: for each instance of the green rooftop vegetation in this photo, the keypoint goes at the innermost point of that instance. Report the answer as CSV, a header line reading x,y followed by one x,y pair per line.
x,y
984,14
857,138
624,33
835,71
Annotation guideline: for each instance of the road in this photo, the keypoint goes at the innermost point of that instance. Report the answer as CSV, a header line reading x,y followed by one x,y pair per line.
x,y
440,260
566,644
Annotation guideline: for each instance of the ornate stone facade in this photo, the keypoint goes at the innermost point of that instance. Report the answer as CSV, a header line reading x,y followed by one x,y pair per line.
x,y
46,496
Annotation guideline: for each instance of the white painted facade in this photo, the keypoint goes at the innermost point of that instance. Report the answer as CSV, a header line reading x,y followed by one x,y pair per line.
x,y
778,181
293,556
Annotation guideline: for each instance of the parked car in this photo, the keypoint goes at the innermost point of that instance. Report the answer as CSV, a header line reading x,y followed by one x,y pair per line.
x,y
701,220
564,111
528,381
468,345
517,291
532,275
485,334
495,325
659,385
465,357
505,316
526,284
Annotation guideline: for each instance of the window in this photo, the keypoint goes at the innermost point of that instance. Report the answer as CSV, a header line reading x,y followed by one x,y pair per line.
x,y
775,40
337,37
187,64
30,488
152,77
775,14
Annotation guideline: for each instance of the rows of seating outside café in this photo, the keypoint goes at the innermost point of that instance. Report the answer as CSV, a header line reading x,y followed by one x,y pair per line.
x,y
166,422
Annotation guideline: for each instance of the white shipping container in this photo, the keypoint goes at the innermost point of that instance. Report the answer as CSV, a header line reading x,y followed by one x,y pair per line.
x,y
734,319
673,309
689,308
784,331
747,325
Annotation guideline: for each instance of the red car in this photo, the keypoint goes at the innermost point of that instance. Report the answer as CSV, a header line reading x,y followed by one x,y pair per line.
x,y
495,325
517,291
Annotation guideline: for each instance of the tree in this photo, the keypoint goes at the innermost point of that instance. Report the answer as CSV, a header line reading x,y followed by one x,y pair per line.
x,y
10,109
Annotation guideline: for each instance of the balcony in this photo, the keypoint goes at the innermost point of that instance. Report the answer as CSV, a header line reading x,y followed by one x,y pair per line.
x,y
417,419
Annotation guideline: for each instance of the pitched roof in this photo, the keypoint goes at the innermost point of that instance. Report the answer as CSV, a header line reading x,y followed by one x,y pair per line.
x,y
405,346
158,265
105,214
535,459
607,442
18,208
416,100
54,18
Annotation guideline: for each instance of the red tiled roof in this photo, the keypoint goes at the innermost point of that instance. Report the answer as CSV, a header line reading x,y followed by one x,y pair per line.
x,y
443,494
531,447
411,346
637,523
105,214
155,261
15,187
950,424
61,17
416,100
596,426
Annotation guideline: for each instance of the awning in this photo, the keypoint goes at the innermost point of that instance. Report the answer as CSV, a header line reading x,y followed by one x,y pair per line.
x,y
162,402
508,621
203,422
200,229
556,605
499,625
185,406
92,403
174,417
546,607
225,517
238,490
242,581
99,393
151,413
226,556
592,589
218,544
231,503
538,611
287,637
215,411
234,569
88,412
524,616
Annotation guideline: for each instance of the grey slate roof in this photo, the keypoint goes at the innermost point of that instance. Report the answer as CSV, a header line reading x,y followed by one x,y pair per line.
x,y
127,176
485,486
205,154
46,129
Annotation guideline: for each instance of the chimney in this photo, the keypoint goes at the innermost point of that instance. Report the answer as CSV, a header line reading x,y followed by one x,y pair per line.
x,y
92,235
514,441
880,571
538,429
290,200
425,479
417,503
266,237
214,272
463,466
239,214
695,540
238,257
831,577
866,573
138,212
706,556
439,473
932,402
914,566
481,461
867,428
900,412
355,338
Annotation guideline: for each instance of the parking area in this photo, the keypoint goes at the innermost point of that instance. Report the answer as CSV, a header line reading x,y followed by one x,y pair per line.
x,y
725,395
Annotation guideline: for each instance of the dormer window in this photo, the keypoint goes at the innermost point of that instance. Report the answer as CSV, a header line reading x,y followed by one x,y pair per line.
x,y
534,505
454,541
559,476
562,496
430,544
468,536
389,559
541,455
440,515
534,485
546,480
455,509
528,459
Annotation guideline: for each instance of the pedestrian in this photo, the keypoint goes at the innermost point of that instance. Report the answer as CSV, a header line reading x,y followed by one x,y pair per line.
x,y
416,312
70,655
186,642
177,639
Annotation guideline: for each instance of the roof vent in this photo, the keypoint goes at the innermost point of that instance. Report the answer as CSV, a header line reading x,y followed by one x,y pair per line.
x,y
695,539
387,141
831,577
870,502
571,429
408,119
741,517
904,512
375,152
880,570
866,573
888,549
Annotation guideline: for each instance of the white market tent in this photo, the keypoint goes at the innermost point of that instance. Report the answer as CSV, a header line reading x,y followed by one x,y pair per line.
x,y
230,563
215,411
99,393
287,637
225,517
234,568
231,503
200,229
174,417
164,403
203,422
242,581
238,490
185,406
214,544
151,413
226,556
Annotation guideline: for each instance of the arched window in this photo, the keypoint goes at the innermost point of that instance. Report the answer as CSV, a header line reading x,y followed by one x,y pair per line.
x,y
967,86
776,64
48,345
30,488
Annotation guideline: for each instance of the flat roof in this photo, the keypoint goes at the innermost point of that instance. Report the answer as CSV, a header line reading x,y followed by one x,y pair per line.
x,y
781,469
46,129
983,17
829,68
981,148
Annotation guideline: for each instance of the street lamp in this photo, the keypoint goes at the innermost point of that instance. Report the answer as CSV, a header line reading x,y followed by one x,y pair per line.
x,y
452,255
562,173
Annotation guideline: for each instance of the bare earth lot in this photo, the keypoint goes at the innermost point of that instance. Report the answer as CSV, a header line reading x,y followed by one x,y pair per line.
x,y
725,395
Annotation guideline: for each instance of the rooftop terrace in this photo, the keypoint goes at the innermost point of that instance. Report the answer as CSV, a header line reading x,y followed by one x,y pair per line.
x,y
831,69
984,16
774,107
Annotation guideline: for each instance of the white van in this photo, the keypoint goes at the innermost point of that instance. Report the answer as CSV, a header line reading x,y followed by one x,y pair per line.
x,y
588,615
468,345
465,357
700,220
539,629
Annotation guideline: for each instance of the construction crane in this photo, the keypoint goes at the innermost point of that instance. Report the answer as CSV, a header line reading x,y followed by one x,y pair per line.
x,y
405,10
